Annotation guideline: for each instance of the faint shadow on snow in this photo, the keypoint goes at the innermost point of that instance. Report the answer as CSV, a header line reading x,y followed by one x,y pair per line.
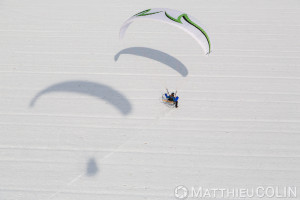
x,y
93,89
156,55
92,168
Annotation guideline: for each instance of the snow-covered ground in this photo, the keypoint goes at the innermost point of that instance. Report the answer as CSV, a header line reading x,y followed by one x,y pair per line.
x,y
80,110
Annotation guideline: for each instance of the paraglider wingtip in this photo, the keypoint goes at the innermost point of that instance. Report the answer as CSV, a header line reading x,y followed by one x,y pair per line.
x,y
117,57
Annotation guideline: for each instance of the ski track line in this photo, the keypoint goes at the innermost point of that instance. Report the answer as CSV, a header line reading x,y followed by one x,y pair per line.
x,y
96,53
258,50
150,75
78,116
214,64
171,35
140,118
236,33
215,131
180,119
106,193
224,131
185,91
134,128
162,35
151,99
118,150
255,169
295,169
156,129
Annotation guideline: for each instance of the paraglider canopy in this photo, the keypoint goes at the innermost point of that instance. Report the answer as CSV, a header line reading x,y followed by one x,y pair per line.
x,y
176,18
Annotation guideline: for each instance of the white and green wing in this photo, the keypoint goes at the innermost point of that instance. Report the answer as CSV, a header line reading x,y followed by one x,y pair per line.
x,y
176,18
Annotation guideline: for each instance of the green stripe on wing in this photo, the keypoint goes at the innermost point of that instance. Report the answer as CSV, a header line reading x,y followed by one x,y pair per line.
x,y
145,12
185,16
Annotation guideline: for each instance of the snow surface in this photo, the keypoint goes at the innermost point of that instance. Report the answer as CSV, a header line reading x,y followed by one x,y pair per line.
x,y
80,110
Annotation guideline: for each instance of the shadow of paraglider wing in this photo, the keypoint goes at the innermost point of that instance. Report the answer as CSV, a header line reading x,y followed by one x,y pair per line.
x,y
93,89
156,55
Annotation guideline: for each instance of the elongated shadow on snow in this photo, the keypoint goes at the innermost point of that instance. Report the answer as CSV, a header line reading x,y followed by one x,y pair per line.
x,y
93,89
156,55
91,168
